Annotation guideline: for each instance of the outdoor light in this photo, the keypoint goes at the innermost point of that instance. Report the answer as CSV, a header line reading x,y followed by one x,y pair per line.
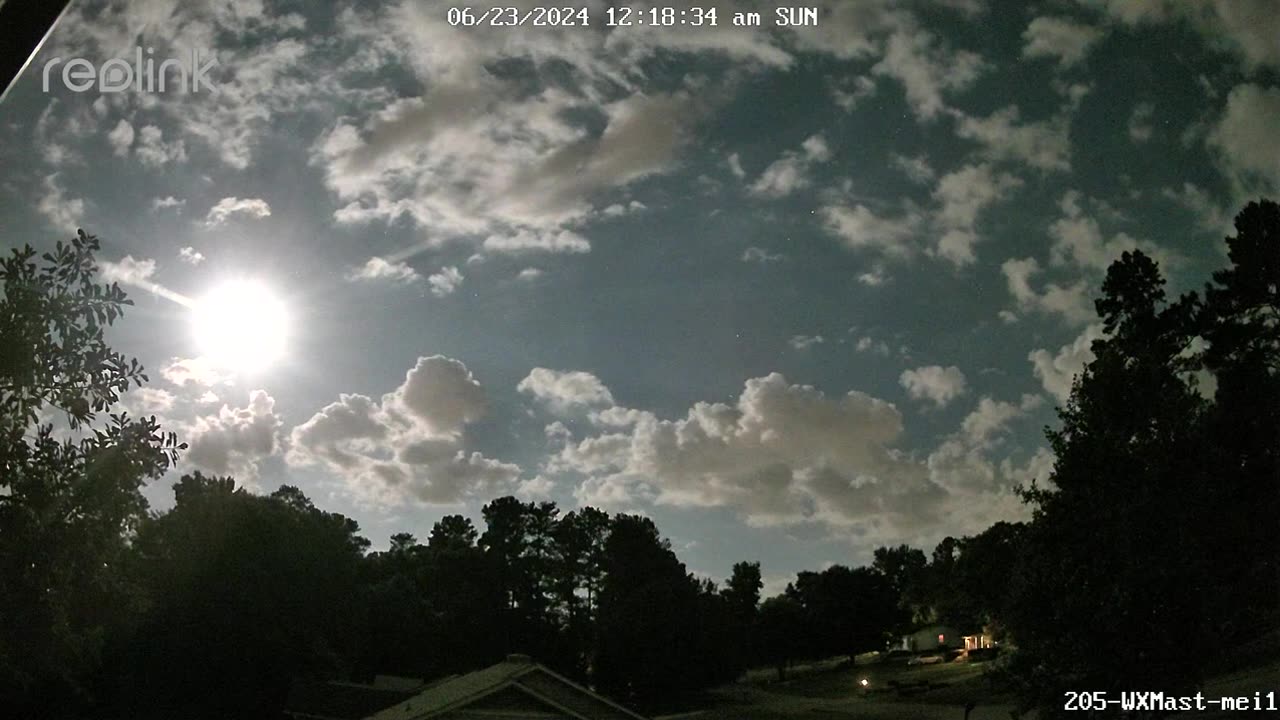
x,y
864,682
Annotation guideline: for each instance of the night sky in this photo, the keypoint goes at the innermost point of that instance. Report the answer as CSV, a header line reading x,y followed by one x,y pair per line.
x,y
794,293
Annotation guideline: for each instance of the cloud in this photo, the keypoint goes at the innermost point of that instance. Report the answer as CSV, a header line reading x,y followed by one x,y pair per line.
x,y
1043,145
1247,28
229,207
847,93
962,195
762,256
804,342
563,241
121,138
233,440
782,454
376,268
934,383
445,282
197,372
926,69
1070,302
1078,240
154,152
168,201
991,417
1063,40
1209,215
1056,371
790,172
566,391
127,270
1140,128
618,209
917,168
190,255
859,228
873,278
1244,138
529,274
475,158
408,445
63,212
735,166
867,344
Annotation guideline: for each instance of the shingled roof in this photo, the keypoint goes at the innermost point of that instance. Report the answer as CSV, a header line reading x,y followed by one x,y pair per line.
x,y
515,689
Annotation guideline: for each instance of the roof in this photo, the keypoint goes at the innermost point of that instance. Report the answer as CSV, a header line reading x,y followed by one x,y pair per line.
x,y
312,700
518,686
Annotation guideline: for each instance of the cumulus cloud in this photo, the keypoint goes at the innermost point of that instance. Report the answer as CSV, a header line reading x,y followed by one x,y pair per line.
x,y
154,152
868,344
563,241
229,207
1140,128
190,255
991,418
1078,240
445,282
127,270
916,168
934,383
1071,302
927,69
63,211
196,372
735,166
121,138
804,342
961,196
619,210
1244,138
790,172
1247,28
409,444
1044,145
1056,371
168,201
233,440
847,93
762,256
860,228
566,391
376,268
782,454
1061,39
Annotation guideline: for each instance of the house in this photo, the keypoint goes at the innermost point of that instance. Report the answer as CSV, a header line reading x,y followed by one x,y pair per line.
x,y
314,700
931,637
515,689
981,641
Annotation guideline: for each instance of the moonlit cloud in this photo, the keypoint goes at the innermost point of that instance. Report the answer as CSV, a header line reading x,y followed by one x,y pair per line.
x,y
934,383
704,269
229,207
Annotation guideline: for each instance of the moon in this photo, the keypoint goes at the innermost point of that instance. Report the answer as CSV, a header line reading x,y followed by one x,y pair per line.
x,y
241,325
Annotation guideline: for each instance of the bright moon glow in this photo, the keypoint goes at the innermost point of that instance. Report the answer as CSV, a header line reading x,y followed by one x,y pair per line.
x,y
240,325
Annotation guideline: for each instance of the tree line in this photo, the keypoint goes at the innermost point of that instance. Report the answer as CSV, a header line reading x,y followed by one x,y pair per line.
x,y
1150,560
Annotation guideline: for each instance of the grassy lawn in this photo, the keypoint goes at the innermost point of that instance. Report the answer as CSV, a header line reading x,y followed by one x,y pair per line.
x,y
831,690
827,690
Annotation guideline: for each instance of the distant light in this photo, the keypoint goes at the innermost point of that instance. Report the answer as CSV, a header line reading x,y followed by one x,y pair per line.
x,y
864,682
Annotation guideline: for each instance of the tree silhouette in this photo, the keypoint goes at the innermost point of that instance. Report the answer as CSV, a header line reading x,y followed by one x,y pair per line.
x,y
71,496
1153,553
